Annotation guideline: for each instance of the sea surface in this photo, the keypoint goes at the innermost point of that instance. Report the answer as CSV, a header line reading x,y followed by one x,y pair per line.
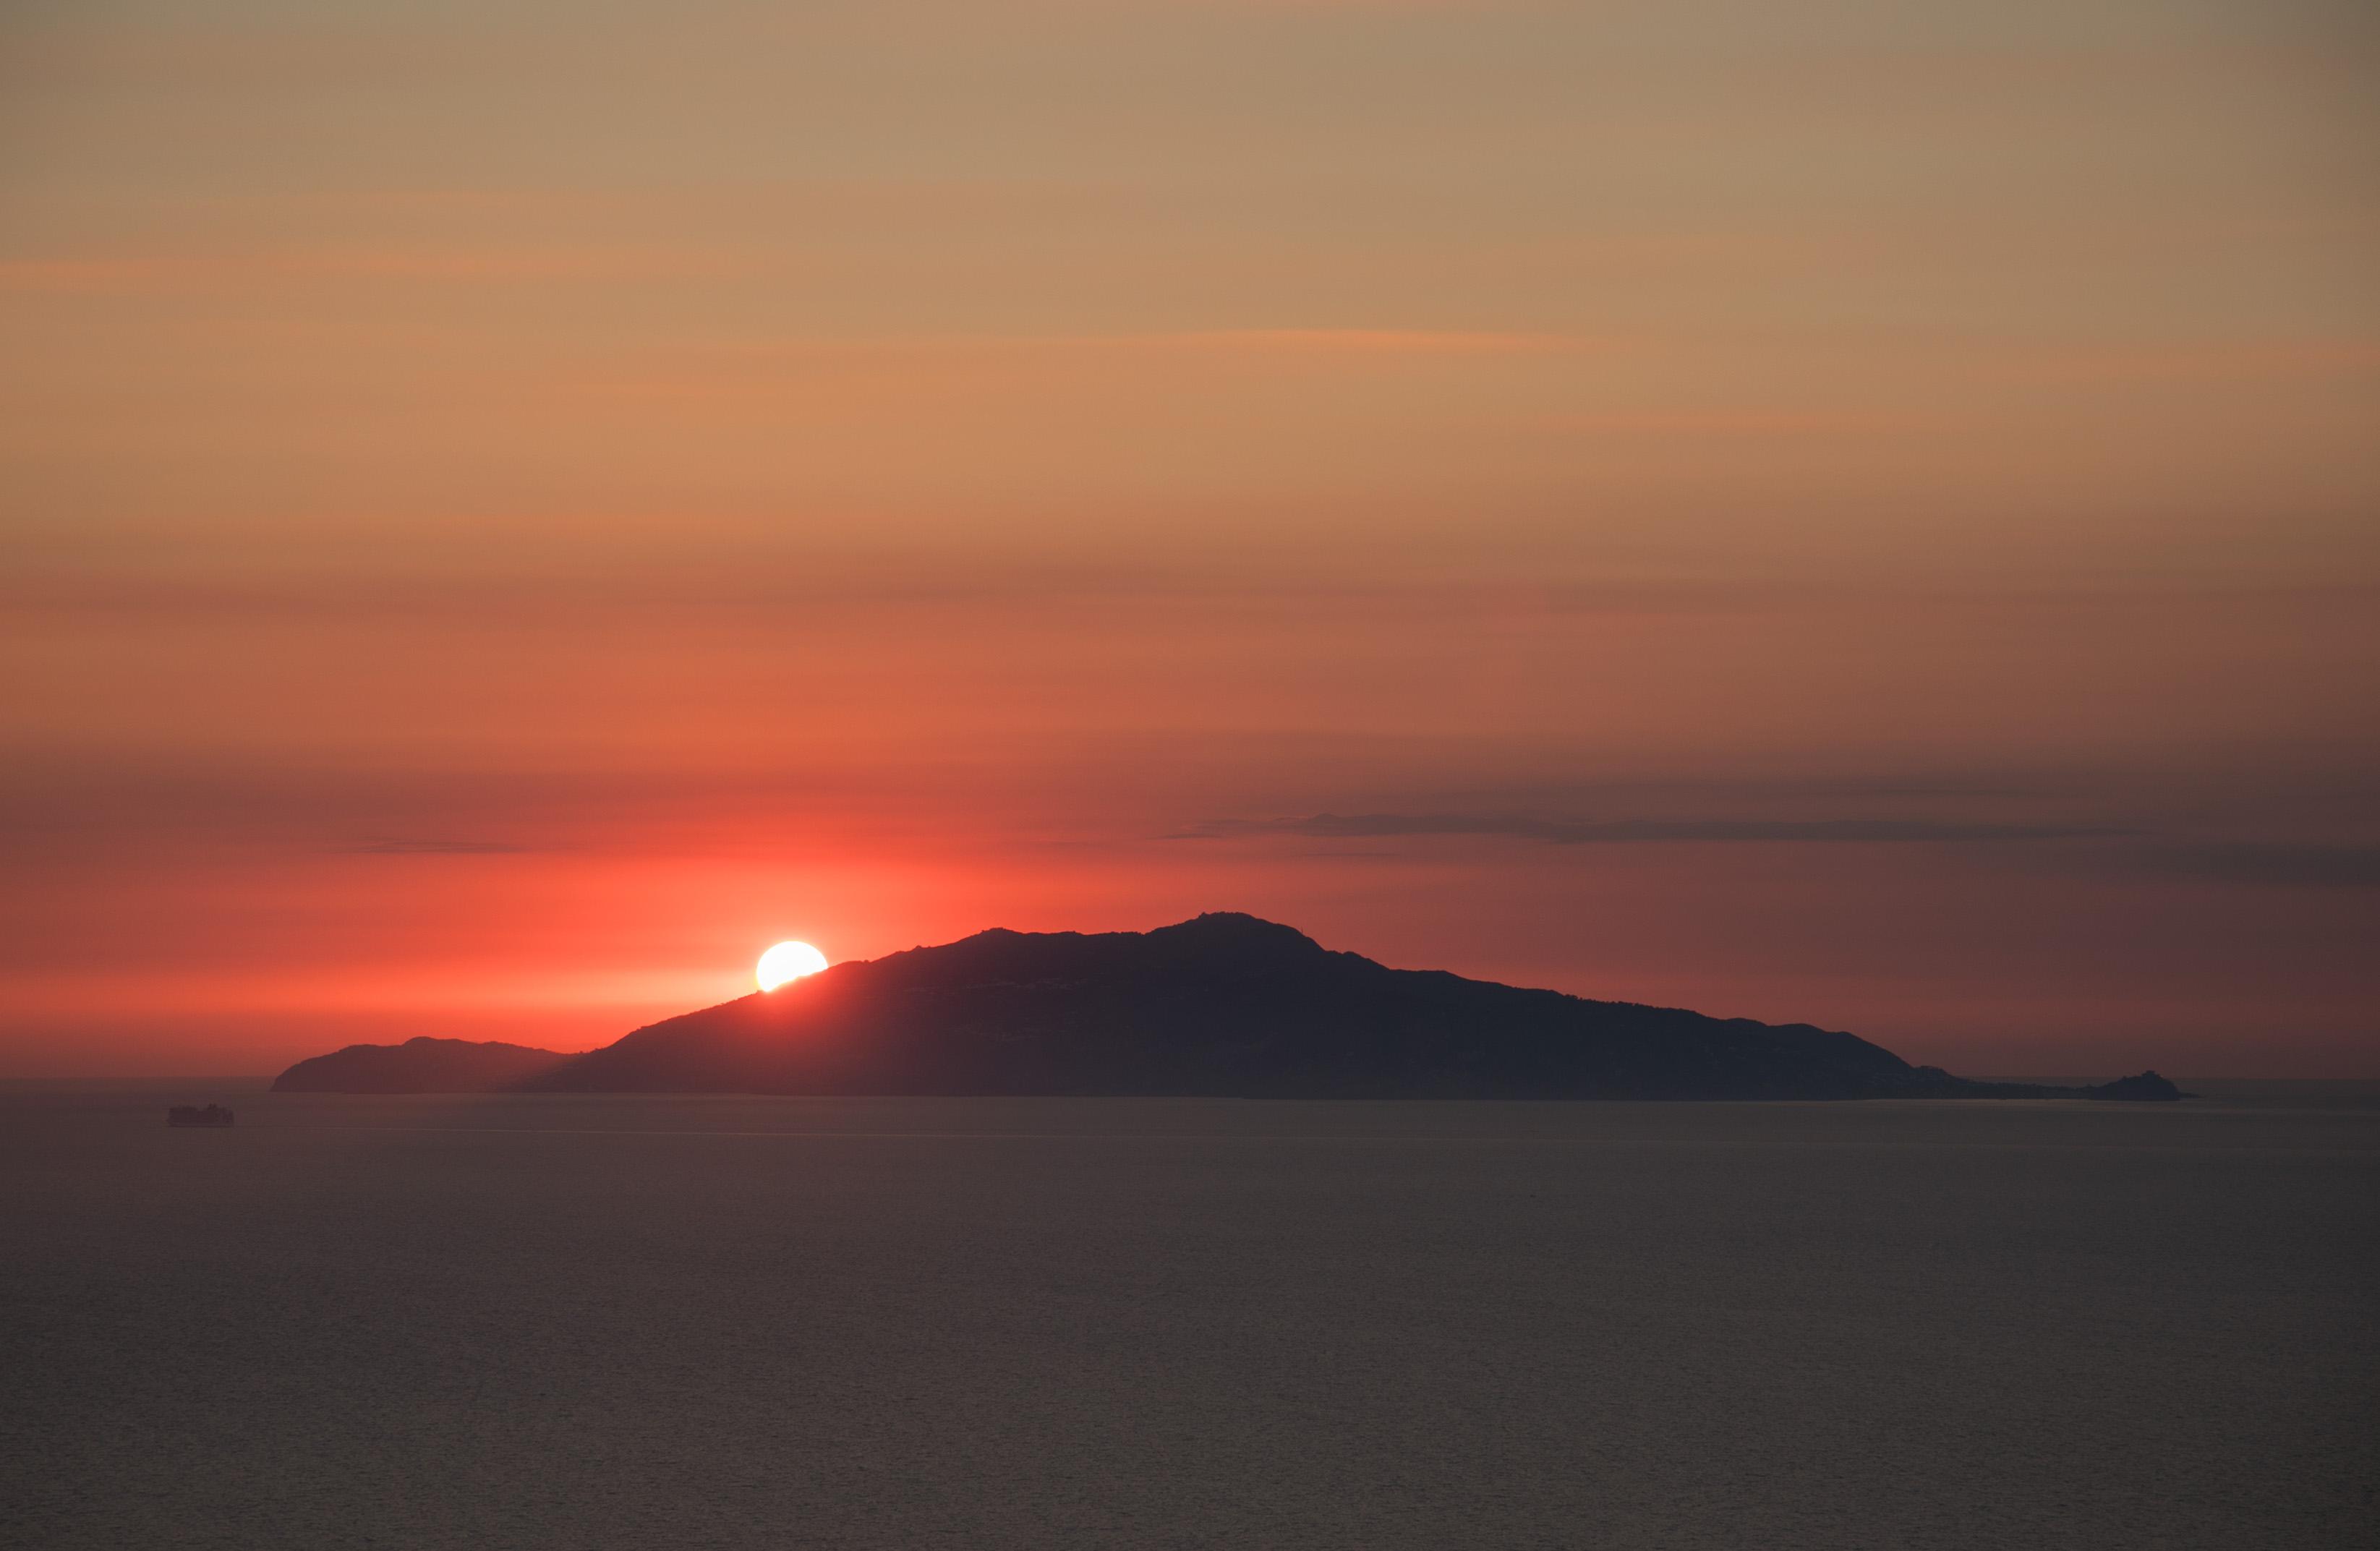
x,y
583,1322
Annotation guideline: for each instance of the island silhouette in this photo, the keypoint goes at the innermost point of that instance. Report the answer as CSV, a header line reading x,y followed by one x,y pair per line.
x,y
1224,1005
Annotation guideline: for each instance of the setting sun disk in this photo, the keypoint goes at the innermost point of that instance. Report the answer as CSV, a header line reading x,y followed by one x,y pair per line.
x,y
787,961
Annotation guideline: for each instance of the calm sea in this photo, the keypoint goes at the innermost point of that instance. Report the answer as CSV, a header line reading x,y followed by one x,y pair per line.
x,y
590,1322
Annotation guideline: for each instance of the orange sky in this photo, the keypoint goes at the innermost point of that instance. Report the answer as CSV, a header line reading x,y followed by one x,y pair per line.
x,y
1820,510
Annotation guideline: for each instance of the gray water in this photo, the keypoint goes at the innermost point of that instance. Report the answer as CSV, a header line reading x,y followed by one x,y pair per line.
x,y
592,1322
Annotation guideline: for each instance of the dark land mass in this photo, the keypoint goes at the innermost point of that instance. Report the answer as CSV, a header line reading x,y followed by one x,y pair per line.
x,y
2146,1088
421,1065
1222,1006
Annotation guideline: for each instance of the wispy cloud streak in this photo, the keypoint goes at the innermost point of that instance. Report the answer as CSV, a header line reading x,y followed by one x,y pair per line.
x,y
434,848
1554,832
2300,865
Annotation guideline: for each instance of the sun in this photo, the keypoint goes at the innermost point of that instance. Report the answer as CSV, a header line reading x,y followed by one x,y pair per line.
x,y
787,961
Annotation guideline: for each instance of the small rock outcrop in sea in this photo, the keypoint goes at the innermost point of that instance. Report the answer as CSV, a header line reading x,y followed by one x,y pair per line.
x,y
194,1114
2148,1087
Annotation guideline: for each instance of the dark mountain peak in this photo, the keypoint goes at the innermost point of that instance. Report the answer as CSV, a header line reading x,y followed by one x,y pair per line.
x,y
1224,938
1212,930
1220,942
1235,931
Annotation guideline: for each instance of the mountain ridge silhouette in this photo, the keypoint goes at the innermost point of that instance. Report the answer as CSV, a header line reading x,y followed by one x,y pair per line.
x,y
1222,1005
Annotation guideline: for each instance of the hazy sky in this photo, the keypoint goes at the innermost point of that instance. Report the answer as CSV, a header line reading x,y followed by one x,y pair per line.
x,y
1845,512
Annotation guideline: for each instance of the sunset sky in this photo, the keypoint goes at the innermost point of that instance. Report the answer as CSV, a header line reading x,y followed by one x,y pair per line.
x,y
1830,510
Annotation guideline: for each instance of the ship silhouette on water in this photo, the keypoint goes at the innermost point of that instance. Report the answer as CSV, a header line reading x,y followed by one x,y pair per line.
x,y
202,1115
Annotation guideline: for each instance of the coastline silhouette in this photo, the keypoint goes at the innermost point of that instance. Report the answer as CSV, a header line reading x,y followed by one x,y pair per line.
x,y
1224,1005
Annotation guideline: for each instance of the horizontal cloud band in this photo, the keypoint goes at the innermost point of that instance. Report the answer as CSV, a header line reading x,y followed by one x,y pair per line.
x,y
435,848
1620,831
2279,864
